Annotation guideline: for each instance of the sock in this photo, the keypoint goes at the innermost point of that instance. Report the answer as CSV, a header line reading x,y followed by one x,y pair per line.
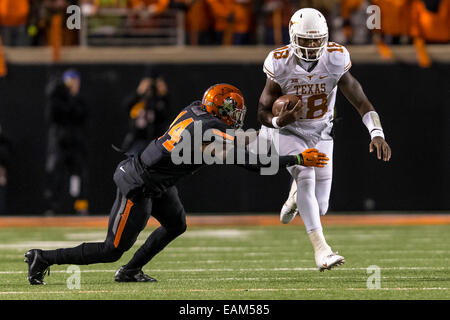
x,y
157,241
49,256
320,246
307,203
85,253
64,256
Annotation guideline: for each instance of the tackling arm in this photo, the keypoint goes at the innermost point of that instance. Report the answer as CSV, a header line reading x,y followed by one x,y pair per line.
x,y
354,93
308,158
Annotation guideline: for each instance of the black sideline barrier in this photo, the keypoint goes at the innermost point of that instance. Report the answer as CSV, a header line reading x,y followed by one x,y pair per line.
x,y
413,104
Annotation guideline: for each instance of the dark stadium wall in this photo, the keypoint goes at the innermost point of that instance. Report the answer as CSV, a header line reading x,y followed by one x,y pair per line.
x,y
412,102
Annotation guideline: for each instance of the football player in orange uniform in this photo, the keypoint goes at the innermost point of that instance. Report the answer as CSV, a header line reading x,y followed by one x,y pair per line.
x,y
146,186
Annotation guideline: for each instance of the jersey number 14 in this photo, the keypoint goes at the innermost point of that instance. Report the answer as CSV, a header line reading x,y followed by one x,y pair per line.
x,y
175,131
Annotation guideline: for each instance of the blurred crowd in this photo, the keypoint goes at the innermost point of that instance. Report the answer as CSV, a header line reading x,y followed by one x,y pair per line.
x,y
67,116
238,22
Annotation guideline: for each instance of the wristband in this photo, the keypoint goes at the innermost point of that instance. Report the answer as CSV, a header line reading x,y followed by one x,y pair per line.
x,y
376,133
274,123
299,159
372,121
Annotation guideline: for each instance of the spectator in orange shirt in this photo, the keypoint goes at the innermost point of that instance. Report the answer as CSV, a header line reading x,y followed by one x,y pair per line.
x,y
153,7
430,20
198,21
430,23
143,10
395,19
232,20
13,21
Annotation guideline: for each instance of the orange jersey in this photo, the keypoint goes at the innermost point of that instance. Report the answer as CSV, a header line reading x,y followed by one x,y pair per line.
x,y
431,26
240,9
14,12
198,16
395,16
161,5
348,6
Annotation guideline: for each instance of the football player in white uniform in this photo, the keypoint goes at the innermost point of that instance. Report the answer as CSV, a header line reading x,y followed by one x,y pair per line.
x,y
312,68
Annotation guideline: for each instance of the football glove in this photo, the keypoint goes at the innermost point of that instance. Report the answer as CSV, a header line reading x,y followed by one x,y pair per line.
x,y
313,158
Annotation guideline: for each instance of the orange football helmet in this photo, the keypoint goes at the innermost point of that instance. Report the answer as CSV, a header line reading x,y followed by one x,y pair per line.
x,y
225,102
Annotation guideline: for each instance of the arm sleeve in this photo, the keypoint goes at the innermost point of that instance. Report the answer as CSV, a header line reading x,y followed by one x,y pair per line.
x,y
283,161
218,131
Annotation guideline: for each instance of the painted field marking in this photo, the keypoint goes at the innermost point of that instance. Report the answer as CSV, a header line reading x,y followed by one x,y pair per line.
x,y
219,290
58,292
240,269
212,249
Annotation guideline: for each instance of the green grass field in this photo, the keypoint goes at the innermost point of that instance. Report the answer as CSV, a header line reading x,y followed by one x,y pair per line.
x,y
274,262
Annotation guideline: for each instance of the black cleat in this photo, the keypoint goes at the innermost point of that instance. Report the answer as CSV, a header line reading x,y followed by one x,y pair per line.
x,y
37,266
132,275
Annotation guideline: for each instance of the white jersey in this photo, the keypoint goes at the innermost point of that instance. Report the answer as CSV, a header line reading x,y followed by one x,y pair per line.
x,y
317,88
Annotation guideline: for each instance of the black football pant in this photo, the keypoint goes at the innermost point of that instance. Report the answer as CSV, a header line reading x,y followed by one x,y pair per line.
x,y
127,219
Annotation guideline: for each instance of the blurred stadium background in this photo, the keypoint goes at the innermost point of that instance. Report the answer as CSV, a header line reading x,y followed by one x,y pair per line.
x,y
403,67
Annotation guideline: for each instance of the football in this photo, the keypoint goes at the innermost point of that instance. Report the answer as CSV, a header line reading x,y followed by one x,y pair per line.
x,y
281,101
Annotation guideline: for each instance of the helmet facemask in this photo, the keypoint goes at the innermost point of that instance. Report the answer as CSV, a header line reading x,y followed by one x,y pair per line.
x,y
309,48
230,112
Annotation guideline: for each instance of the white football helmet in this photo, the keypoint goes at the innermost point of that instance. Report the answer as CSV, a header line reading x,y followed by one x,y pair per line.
x,y
308,31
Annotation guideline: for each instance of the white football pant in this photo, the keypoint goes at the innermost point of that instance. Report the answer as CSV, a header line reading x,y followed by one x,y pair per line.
x,y
313,184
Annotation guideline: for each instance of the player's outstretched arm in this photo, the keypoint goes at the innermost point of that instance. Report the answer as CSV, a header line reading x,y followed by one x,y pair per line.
x,y
308,158
354,93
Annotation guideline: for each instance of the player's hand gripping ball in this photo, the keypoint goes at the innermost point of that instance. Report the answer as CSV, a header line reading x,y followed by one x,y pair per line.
x,y
288,100
288,109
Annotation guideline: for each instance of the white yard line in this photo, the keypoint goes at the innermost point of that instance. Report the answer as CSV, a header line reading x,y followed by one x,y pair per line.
x,y
239,269
218,290
60,292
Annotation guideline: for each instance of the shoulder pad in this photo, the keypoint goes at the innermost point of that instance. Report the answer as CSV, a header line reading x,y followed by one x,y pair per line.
x,y
338,58
197,109
273,65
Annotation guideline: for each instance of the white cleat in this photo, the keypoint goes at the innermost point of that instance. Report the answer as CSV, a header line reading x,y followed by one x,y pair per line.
x,y
330,261
289,209
288,213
